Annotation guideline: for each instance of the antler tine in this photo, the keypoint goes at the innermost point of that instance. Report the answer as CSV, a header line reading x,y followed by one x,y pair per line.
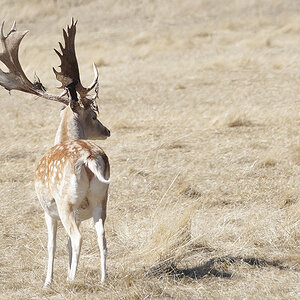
x,y
92,101
13,29
15,78
95,81
96,92
65,92
2,30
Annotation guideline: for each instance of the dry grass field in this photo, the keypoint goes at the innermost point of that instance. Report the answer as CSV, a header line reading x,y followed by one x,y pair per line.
x,y
203,102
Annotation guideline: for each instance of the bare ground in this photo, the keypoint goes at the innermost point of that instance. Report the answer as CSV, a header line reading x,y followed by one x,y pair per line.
x,y
202,99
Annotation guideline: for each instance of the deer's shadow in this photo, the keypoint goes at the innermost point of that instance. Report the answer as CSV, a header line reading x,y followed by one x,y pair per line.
x,y
213,267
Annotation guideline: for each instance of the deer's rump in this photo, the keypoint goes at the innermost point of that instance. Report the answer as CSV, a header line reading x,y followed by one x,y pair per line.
x,y
74,173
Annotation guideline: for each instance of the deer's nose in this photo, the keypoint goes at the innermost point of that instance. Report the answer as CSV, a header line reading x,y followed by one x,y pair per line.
x,y
107,132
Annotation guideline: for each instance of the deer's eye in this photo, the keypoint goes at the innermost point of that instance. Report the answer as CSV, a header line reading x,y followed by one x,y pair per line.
x,y
94,118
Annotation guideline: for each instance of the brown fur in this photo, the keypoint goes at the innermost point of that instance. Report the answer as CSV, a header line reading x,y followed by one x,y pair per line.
x,y
64,128
69,151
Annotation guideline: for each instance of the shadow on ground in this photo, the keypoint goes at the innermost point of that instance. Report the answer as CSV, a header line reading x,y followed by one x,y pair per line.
x,y
217,266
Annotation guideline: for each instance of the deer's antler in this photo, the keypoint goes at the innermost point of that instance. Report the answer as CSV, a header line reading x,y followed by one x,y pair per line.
x,y
15,78
69,68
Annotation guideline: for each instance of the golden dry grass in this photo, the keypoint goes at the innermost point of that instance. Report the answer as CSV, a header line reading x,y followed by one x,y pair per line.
x,y
202,98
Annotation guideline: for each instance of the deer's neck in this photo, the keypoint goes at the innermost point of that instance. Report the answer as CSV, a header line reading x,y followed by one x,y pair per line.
x,y
69,128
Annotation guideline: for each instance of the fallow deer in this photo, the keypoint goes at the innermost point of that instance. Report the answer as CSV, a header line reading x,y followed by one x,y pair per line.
x,y
72,179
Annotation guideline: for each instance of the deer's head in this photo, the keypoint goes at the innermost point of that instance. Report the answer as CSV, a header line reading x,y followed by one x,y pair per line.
x,y
81,111
83,107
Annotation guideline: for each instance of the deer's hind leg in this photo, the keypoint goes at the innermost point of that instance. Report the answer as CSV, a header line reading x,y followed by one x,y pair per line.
x,y
52,229
69,245
99,216
66,214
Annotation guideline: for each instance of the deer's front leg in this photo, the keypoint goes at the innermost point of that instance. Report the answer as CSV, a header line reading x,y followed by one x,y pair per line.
x,y
52,229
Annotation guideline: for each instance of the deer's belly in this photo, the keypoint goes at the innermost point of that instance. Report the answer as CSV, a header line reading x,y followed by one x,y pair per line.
x,y
83,212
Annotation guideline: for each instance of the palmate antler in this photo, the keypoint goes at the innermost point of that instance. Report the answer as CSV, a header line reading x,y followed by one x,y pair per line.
x,y
69,68
15,78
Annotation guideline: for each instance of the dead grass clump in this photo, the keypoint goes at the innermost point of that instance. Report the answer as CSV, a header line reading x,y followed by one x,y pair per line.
x,y
240,122
100,62
291,28
234,25
267,162
233,118
191,192
141,39
202,34
263,41
288,201
176,145
270,158
140,172
220,63
188,190
180,86
171,234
